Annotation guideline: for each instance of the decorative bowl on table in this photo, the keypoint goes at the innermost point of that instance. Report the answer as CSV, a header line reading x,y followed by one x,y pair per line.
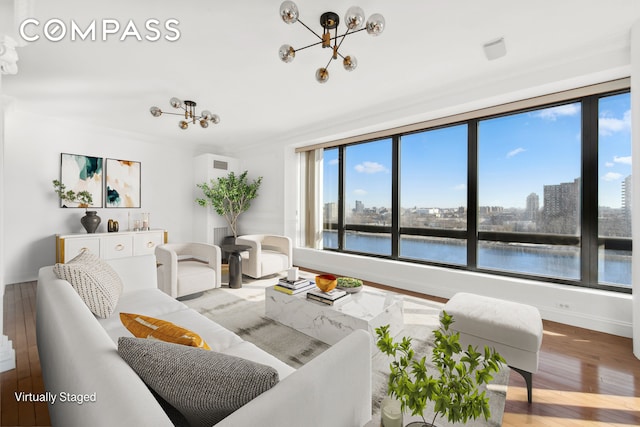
x,y
326,282
349,284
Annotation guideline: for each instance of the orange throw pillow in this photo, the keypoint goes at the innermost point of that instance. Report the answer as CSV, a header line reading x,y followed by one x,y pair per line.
x,y
148,327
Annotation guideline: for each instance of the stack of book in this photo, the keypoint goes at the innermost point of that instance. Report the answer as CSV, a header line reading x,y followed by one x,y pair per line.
x,y
293,287
333,297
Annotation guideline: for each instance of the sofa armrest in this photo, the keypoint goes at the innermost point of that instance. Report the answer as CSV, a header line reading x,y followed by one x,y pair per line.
x,y
334,389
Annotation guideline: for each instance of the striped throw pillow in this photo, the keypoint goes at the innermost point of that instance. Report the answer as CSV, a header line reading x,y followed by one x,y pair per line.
x,y
94,280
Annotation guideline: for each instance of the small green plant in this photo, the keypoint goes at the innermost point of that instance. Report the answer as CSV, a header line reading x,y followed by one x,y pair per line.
x,y
230,196
83,198
455,390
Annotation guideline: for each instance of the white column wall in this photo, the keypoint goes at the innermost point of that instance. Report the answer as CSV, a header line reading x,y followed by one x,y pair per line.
x,y
635,129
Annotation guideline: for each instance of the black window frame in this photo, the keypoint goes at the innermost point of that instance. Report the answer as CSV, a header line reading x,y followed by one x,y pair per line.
x,y
588,239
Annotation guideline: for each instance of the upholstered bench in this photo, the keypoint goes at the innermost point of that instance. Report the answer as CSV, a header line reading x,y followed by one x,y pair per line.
x,y
513,329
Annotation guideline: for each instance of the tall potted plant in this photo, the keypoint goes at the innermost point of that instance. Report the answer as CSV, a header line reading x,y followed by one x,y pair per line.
x,y
90,221
230,196
454,391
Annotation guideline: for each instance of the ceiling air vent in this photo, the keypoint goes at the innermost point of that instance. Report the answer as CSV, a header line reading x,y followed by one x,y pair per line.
x,y
219,164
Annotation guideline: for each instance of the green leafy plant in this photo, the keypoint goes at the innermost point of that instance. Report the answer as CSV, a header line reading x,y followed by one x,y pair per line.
x,y
230,196
454,391
349,282
83,198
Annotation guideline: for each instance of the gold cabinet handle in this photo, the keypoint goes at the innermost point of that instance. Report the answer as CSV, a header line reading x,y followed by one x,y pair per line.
x,y
119,247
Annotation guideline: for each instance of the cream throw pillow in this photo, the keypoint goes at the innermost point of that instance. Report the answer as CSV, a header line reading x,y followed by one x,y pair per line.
x,y
94,280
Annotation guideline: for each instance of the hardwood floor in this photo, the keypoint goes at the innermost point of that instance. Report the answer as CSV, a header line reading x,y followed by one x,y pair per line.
x,y
586,378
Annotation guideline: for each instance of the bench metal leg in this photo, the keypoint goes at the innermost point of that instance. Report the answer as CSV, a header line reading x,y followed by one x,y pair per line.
x,y
528,378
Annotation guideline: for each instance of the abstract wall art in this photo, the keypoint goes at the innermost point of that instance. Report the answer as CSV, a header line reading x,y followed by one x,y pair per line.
x,y
82,173
123,184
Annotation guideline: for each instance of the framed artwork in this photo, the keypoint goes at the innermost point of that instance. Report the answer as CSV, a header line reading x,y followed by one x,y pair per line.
x,y
82,173
123,184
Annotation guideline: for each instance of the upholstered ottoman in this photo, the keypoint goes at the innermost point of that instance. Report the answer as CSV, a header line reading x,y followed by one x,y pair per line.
x,y
513,329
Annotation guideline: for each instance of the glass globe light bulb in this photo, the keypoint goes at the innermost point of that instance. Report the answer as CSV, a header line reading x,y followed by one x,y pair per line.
x,y
289,12
350,63
375,24
155,111
175,102
183,124
322,75
206,114
204,123
286,53
354,18
215,119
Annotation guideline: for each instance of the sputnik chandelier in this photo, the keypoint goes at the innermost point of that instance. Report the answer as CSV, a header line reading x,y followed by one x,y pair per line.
x,y
189,114
354,20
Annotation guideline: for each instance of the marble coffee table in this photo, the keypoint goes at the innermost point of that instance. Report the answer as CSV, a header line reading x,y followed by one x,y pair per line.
x,y
367,309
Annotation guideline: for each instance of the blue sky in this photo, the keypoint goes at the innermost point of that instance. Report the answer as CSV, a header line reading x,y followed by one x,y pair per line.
x,y
517,155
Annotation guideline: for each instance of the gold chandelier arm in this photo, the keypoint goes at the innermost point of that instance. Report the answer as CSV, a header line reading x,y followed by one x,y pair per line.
x,y
332,38
307,27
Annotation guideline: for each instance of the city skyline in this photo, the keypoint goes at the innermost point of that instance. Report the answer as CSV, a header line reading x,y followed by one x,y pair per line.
x,y
517,155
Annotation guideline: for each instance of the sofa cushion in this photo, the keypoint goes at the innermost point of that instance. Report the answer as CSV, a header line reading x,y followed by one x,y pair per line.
x,y
150,327
205,386
94,280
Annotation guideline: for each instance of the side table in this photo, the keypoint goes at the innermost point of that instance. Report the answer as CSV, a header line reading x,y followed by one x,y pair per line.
x,y
235,264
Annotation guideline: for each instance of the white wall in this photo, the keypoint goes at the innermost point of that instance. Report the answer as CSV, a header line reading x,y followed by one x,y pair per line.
x,y
270,212
31,156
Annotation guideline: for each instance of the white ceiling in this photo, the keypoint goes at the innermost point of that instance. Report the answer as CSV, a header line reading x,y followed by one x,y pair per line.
x,y
226,60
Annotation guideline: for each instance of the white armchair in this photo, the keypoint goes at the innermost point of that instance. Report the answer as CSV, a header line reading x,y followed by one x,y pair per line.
x,y
269,254
188,268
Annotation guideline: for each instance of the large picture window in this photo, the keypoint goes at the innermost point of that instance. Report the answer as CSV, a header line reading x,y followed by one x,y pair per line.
x,y
543,192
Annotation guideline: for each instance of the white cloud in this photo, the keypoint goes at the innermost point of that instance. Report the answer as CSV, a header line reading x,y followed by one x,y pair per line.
x,y
460,187
333,162
359,192
625,160
612,176
370,167
515,152
609,164
562,110
610,125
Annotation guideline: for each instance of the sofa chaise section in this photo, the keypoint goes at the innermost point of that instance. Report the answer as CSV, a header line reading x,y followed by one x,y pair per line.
x,y
78,354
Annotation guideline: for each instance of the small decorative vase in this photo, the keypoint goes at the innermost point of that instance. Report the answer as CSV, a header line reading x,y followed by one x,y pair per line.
x,y
90,221
391,412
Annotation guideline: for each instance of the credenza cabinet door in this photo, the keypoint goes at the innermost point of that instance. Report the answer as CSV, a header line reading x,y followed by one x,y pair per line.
x,y
74,246
146,243
109,245
117,246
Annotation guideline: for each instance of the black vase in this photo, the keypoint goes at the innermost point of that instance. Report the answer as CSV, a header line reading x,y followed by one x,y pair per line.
x,y
90,221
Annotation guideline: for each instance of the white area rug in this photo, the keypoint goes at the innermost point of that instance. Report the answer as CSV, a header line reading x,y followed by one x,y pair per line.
x,y
242,311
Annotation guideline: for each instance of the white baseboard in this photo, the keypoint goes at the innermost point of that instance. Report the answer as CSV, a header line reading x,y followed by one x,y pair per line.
x,y
7,355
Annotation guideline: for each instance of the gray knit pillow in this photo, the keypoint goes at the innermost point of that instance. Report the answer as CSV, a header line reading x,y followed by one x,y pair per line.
x,y
205,386
94,280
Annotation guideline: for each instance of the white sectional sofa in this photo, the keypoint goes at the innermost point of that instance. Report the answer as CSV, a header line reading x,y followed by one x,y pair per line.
x,y
79,356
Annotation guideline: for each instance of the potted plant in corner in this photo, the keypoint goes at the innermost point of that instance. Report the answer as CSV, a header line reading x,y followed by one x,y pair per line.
x,y
90,221
454,390
230,196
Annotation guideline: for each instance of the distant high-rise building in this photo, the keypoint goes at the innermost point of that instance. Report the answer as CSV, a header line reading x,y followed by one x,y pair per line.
x,y
560,210
627,204
359,206
331,212
626,195
533,207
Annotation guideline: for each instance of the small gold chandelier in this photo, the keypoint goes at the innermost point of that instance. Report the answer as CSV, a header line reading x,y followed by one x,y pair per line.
x,y
189,114
354,20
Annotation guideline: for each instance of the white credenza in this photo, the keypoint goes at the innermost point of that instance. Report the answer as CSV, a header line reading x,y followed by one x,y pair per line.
x,y
109,245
